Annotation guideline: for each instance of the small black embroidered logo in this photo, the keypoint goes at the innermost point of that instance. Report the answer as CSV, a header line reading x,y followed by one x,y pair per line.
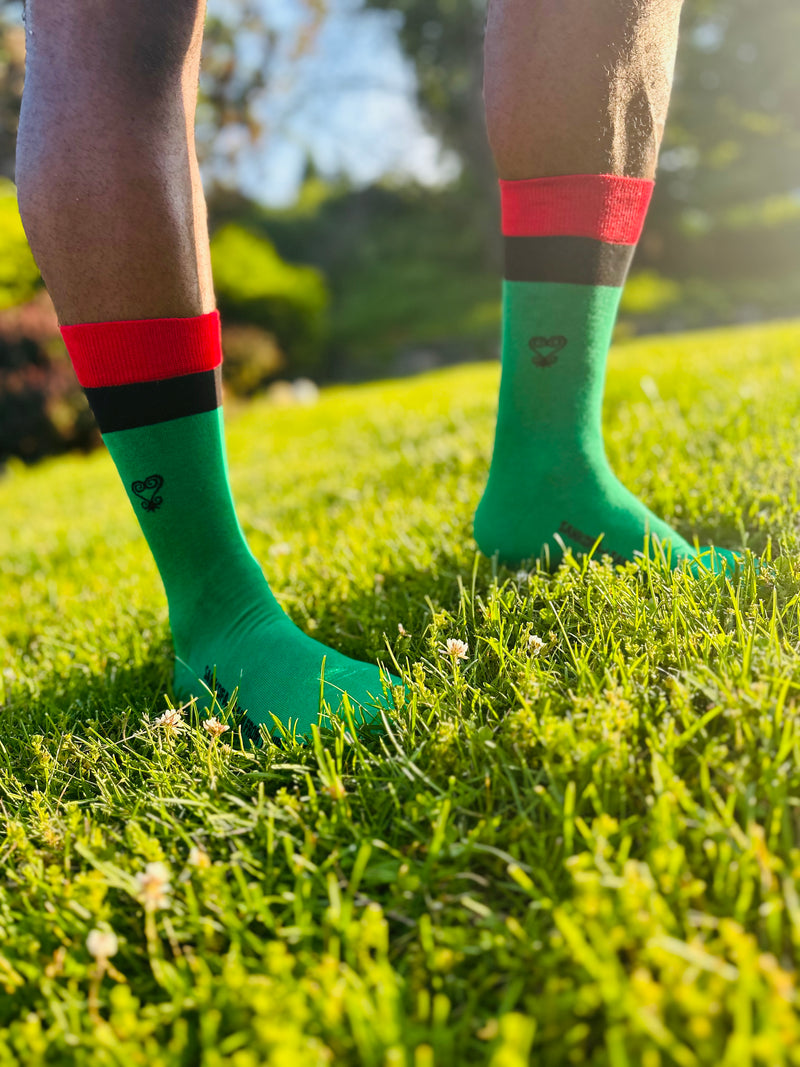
x,y
148,491
545,349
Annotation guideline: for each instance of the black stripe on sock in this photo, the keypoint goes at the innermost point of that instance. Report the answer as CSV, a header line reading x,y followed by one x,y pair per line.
x,y
126,407
573,260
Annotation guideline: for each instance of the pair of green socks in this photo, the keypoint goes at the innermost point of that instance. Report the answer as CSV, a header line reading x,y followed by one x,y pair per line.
x,y
154,386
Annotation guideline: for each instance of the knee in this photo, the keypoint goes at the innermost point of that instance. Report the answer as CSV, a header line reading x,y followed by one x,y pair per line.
x,y
90,70
158,40
142,47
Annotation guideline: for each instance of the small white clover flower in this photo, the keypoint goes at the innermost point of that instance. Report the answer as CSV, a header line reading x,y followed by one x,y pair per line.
x,y
214,728
455,649
170,722
102,944
198,857
154,884
535,644
522,577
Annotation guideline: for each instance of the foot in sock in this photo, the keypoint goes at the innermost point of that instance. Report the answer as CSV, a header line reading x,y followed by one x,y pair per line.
x,y
568,245
154,386
278,674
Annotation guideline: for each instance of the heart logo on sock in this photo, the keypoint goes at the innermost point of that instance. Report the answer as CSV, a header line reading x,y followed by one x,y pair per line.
x,y
148,490
545,349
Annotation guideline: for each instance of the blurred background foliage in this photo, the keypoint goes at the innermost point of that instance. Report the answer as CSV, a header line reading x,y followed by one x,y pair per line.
x,y
352,279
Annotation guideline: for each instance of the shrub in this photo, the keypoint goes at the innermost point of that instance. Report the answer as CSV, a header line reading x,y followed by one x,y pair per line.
x,y
252,359
43,410
19,275
256,287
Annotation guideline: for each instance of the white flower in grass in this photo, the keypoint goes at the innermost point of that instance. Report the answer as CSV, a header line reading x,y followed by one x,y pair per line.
x,y
535,644
102,944
522,577
170,722
198,857
455,649
214,728
154,884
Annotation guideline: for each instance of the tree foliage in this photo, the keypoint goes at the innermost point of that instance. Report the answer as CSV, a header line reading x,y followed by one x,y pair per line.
x,y
239,48
734,130
12,77
255,286
732,147
444,39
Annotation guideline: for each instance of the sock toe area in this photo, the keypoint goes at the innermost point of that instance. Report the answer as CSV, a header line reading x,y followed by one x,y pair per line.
x,y
710,559
276,672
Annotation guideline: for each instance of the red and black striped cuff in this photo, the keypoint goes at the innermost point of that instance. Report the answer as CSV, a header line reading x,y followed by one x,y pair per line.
x,y
146,371
580,229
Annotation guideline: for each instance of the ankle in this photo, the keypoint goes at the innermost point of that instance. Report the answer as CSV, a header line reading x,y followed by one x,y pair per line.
x,y
221,597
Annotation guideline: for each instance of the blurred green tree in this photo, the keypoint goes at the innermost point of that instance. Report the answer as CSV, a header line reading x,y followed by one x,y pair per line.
x,y
238,51
728,197
731,154
19,275
12,77
734,130
444,41
255,286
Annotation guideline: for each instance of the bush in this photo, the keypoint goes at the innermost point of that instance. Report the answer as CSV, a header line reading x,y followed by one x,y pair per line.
x,y
43,410
410,281
252,359
256,287
19,275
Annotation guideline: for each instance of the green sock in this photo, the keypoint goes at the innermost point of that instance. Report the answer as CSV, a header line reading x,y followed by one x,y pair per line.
x,y
568,245
230,633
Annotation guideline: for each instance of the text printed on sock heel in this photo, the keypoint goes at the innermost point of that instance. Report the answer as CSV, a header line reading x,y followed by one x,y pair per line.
x,y
223,695
248,728
566,529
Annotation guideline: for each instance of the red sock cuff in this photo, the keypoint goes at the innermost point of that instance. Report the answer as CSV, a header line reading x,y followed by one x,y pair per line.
x,y
604,207
143,350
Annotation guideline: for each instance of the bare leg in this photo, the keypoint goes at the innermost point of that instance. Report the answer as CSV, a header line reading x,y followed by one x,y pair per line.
x,y
577,87
108,181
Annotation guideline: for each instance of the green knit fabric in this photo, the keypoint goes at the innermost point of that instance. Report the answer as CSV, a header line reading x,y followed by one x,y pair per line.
x,y
550,482
230,633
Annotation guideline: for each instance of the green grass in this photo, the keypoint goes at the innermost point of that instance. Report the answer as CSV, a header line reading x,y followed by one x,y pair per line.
x,y
580,852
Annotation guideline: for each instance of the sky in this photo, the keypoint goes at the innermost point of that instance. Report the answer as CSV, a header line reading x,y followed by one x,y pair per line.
x,y
348,103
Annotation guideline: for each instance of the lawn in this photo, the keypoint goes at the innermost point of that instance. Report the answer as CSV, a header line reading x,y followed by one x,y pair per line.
x,y
578,845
